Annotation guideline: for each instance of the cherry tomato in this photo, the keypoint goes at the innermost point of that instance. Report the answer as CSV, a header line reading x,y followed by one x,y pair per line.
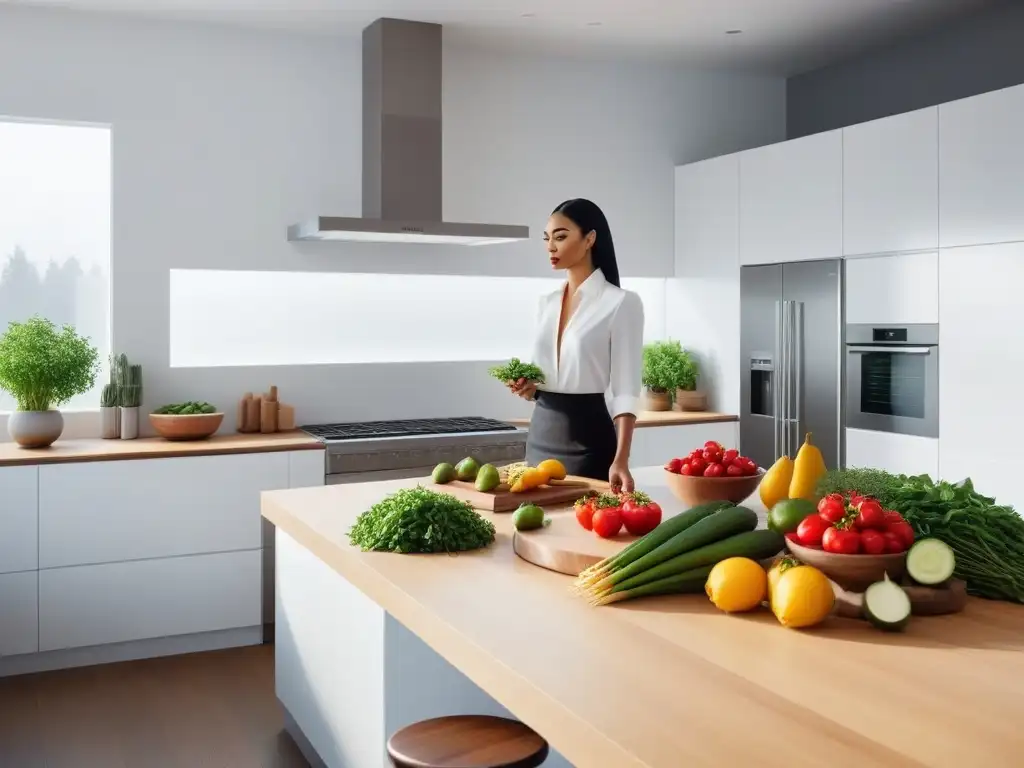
x,y
734,470
714,470
674,465
841,541
872,542
870,515
713,445
697,453
607,522
892,516
687,469
793,536
855,499
730,456
893,543
748,464
831,509
712,456
641,519
904,531
810,530
698,466
585,513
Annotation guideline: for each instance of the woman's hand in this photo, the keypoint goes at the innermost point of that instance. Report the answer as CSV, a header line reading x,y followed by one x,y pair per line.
x,y
525,389
619,478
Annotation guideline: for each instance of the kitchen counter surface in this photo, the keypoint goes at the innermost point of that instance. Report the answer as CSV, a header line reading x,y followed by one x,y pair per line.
x,y
671,681
64,451
662,418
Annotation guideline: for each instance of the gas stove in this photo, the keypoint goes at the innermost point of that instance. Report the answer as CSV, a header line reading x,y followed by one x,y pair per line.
x,y
405,428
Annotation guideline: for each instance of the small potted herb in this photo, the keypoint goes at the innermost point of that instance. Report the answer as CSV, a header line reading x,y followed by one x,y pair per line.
x,y
129,396
42,367
665,366
688,398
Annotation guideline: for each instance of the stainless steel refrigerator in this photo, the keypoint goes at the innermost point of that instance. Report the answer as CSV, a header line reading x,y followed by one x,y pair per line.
x,y
791,343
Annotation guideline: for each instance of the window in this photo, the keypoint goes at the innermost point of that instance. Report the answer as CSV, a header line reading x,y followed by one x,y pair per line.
x,y
55,233
225,318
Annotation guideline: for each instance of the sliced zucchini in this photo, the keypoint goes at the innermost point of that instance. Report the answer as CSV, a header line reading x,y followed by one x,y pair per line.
x,y
930,562
886,605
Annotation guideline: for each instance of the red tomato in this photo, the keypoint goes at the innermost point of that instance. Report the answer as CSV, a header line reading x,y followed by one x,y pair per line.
x,y
714,470
904,531
892,516
585,513
713,445
730,456
698,466
793,536
641,519
712,456
810,530
870,515
749,465
697,453
607,522
831,509
840,541
674,465
734,470
687,469
893,543
855,499
873,542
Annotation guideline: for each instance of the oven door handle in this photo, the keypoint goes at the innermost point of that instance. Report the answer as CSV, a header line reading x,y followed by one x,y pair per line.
x,y
892,350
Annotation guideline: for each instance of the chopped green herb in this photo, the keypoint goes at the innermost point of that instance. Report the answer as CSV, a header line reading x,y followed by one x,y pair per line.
x,y
515,369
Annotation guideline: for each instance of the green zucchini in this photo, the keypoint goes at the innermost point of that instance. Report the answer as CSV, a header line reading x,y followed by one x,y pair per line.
x,y
716,526
686,583
757,545
930,562
887,606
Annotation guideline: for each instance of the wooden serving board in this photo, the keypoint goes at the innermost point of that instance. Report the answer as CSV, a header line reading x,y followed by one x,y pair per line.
x,y
924,601
565,546
503,500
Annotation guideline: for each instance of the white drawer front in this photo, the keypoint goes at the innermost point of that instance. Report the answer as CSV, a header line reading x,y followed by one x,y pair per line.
x,y
19,617
19,523
104,512
899,454
120,602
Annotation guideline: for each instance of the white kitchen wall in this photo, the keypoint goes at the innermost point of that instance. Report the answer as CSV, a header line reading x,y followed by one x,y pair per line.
x,y
224,137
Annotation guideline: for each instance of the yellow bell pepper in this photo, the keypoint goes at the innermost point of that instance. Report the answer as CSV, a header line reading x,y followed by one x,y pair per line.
x,y
808,469
775,483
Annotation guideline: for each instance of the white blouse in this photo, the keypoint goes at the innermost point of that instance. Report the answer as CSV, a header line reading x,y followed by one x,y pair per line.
x,y
602,344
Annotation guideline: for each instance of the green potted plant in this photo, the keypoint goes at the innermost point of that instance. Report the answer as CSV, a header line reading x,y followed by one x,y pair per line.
x,y
42,367
129,396
665,364
688,398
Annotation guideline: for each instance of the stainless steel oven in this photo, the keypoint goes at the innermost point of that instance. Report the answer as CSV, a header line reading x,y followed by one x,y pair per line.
x,y
892,378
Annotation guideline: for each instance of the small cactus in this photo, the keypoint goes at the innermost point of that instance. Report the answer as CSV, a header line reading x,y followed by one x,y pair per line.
x,y
109,396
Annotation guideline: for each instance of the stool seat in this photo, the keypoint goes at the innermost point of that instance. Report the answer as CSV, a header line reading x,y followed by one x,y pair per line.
x,y
467,741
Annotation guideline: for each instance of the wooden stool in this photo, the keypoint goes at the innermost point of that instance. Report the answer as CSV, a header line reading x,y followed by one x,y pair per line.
x,y
467,741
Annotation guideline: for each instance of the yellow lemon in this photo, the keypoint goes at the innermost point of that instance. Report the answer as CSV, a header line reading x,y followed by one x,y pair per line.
x,y
737,584
553,469
802,597
779,567
531,478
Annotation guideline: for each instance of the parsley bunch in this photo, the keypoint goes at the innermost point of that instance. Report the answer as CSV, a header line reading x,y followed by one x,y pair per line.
x,y
516,369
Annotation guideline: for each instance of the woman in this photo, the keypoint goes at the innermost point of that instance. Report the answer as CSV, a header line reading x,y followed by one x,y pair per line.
x,y
589,341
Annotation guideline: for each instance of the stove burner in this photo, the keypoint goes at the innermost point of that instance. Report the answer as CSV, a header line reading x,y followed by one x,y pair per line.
x,y
405,428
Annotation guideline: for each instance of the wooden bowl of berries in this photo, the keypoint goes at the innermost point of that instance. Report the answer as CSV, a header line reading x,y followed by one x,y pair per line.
x,y
853,541
712,473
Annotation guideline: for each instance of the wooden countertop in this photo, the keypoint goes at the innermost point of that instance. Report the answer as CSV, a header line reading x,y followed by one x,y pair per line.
x,y
671,681
64,451
661,418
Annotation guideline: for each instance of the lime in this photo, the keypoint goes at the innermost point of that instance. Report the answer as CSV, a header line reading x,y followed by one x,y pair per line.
x,y
785,516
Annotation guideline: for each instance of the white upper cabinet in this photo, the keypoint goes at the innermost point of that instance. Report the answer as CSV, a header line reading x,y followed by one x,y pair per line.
x,y
791,200
981,169
891,184
707,217
893,290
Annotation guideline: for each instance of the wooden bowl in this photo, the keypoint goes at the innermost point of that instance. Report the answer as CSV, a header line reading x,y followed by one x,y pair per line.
x,y
694,490
854,573
192,426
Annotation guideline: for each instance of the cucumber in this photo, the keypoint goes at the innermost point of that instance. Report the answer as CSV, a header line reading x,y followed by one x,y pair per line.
x,y
887,606
687,583
757,545
930,562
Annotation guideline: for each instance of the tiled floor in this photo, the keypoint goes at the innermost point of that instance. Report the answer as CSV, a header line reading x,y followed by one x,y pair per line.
x,y
214,710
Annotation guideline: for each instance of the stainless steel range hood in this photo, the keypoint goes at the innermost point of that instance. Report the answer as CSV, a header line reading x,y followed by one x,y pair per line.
x,y
402,148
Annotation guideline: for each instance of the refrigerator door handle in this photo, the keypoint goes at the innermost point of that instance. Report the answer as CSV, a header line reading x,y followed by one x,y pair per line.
x,y
798,368
785,367
777,380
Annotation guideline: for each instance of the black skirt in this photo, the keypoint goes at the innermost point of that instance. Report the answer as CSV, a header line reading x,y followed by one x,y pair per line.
x,y
575,429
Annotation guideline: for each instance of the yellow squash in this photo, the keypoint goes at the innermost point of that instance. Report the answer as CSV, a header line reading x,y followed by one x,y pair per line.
x,y
528,480
774,485
808,469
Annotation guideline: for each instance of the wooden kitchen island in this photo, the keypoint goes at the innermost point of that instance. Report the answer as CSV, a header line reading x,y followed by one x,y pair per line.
x,y
367,643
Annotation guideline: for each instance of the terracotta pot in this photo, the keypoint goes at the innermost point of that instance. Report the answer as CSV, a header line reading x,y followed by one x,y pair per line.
x,y
658,401
691,400
35,429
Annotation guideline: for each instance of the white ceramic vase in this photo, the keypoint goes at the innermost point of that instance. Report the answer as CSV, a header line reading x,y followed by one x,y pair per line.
x,y
110,422
129,423
35,429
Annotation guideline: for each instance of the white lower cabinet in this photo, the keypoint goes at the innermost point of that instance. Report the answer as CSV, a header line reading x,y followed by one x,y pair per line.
x,y
19,522
19,618
653,446
120,602
899,454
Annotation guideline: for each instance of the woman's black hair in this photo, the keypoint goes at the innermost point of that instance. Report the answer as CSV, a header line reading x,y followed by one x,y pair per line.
x,y
589,218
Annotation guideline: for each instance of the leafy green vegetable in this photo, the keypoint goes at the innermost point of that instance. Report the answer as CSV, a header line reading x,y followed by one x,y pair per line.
x,y
987,538
42,366
667,367
418,520
190,408
516,369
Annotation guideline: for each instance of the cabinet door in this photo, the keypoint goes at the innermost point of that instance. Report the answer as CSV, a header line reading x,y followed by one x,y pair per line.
x,y
981,165
707,217
19,618
980,365
899,454
893,290
891,184
791,200
110,511
306,468
120,602
19,526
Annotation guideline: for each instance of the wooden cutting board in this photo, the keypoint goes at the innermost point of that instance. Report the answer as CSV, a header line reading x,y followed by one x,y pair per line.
x,y
503,500
924,601
565,546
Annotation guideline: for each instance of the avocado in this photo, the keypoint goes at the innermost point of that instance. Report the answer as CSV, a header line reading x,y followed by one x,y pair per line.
x,y
487,478
467,468
443,473
528,517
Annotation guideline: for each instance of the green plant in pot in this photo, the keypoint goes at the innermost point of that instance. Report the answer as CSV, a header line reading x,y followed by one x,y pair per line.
x,y
42,367
687,396
665,367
